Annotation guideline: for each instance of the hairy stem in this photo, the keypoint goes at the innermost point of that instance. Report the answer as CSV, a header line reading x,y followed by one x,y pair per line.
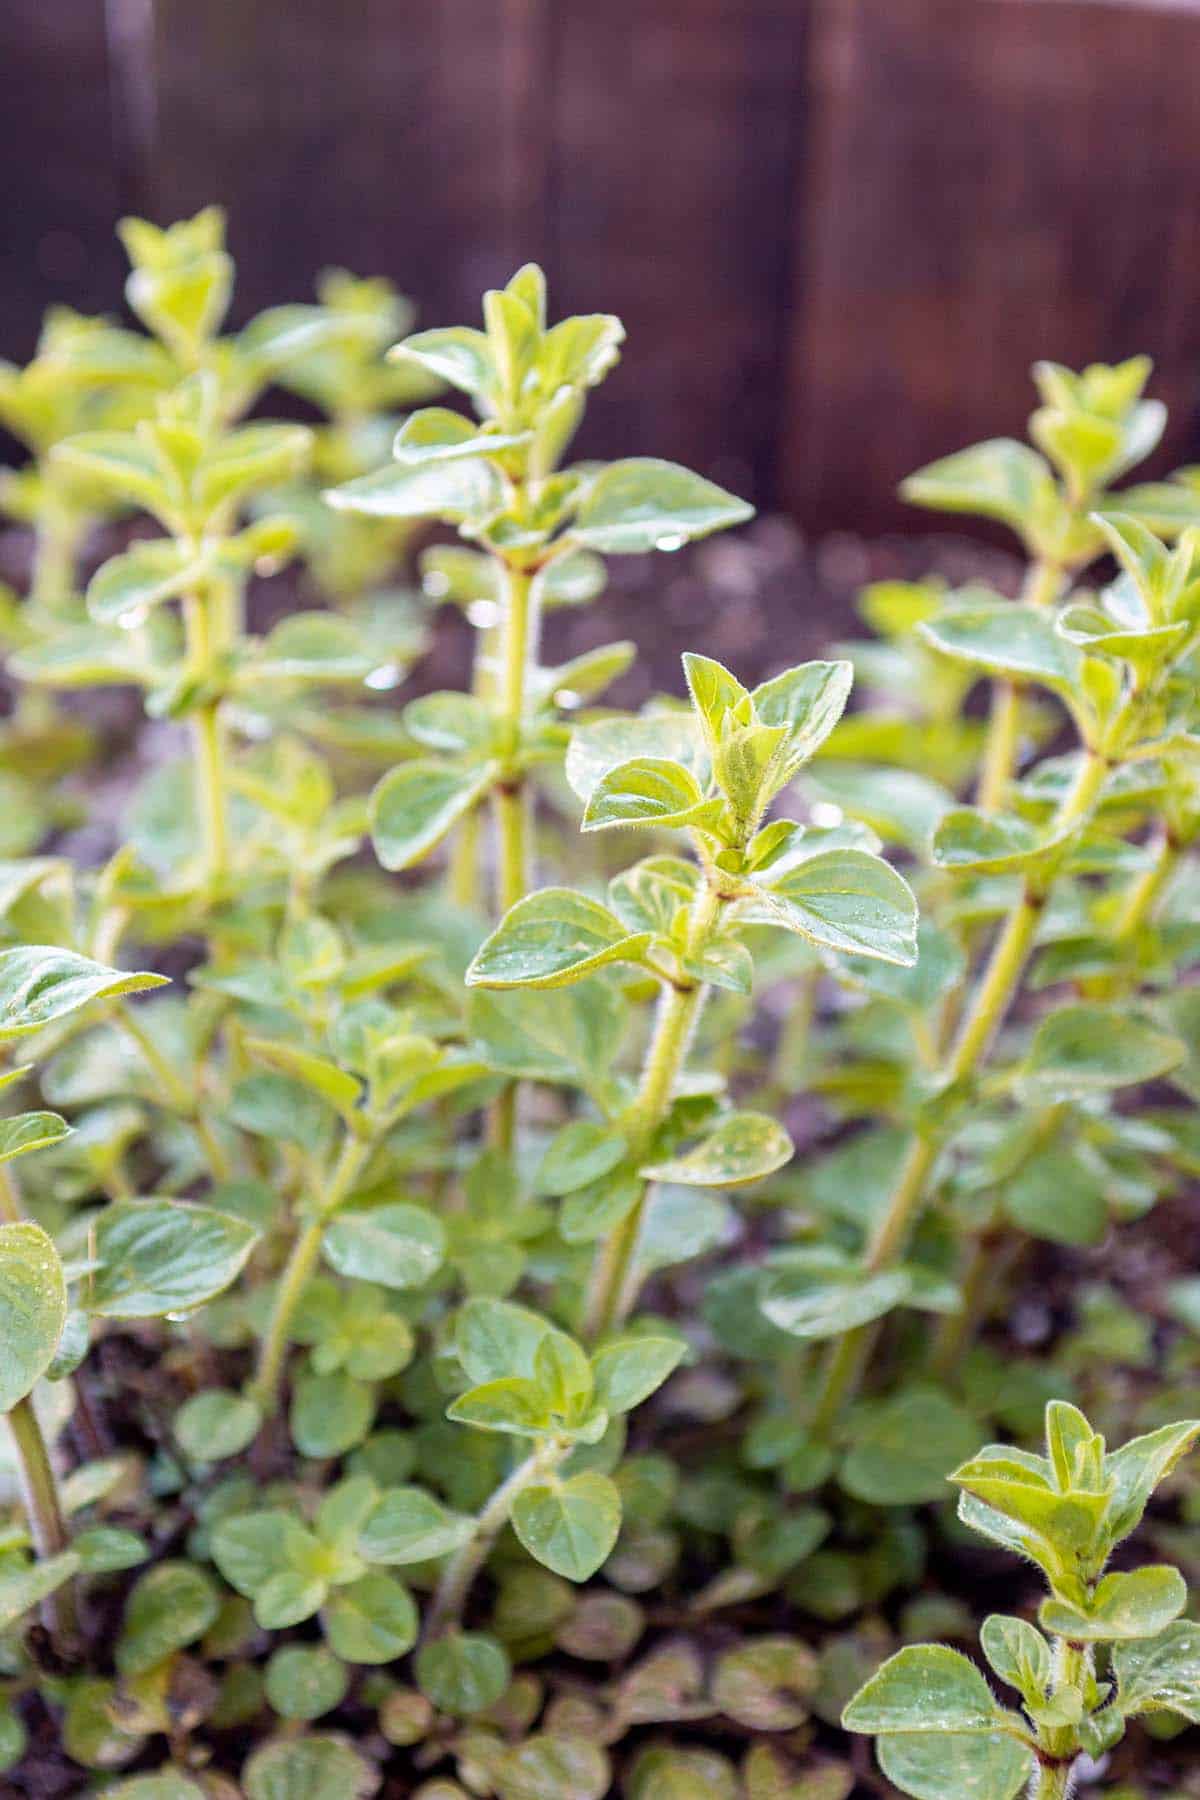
x,y
208,742
459,1573
612,1289
847,1358
297,1271
47,1527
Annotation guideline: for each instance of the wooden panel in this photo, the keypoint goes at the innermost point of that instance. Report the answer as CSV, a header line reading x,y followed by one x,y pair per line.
x,y
58,172
676,127
383,137
989,181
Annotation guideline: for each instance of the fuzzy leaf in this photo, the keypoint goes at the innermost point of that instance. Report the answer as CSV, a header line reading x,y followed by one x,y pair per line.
x,y
985,1768
743,1148
844,900
33,1309
155,1257
571,1525
923,1688
551,938
454,491
647,791
418,803
643,503
1163,1671
40,983
1139,1604
397,1245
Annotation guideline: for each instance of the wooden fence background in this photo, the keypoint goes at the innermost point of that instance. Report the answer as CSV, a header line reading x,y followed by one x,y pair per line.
x,y
838,230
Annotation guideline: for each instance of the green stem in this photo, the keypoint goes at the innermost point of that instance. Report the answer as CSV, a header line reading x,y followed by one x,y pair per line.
x,y
847,1358
10,1199
1043,580
1054,1778
612,1289
1144,892
459,1573
47,1527
208,742
297,1271
175,1092
1000,751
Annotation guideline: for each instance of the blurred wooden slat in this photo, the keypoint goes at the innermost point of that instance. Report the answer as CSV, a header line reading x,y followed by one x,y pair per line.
x,y
677,126
392,140
990,181
59,193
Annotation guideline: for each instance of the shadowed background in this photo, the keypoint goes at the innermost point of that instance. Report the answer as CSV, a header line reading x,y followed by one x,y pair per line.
x,y
838,231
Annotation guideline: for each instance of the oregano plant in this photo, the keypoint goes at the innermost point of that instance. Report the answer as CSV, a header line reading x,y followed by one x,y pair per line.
x,y
513,1208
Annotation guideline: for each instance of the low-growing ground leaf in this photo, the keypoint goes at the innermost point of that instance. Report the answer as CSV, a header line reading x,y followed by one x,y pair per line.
x,y
569,1525
155,1257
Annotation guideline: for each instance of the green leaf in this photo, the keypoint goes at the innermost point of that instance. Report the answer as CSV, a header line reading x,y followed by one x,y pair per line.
x,y
985,843
495,1339
1000,479
373,1620
1138,1467
605,744
808,700
410,1526
397,1245
843,900
305,1680
124,587
217,1424
630,1369
925,1687
551,938
1018,1653
1004,638
647,791
325,1078
744,1147
281,1108
580,1153
514,1404
462,1674
155,1257
566,1035
550,1767
1059,1195
33,1309
1088,1049
310,1768
819,1294
40,983
454,491
903,1449
1140,1604
435,434
1158,1672
30,1131
569,1525
23,1589
992,1768
417,804
330,1414
251,1548
642,504
172,1606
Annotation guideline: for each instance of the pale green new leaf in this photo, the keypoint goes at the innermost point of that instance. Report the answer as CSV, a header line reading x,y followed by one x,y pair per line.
x,y
1137,1604
30,1131
647,791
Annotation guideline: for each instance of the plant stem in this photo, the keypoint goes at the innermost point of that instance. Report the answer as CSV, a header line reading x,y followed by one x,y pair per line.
x,y
511,809
1043,580
461,1569
175,1091
208,742
1145,890
847,1358
39,1491
298,1269
612,1289
1000,751
10,1199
